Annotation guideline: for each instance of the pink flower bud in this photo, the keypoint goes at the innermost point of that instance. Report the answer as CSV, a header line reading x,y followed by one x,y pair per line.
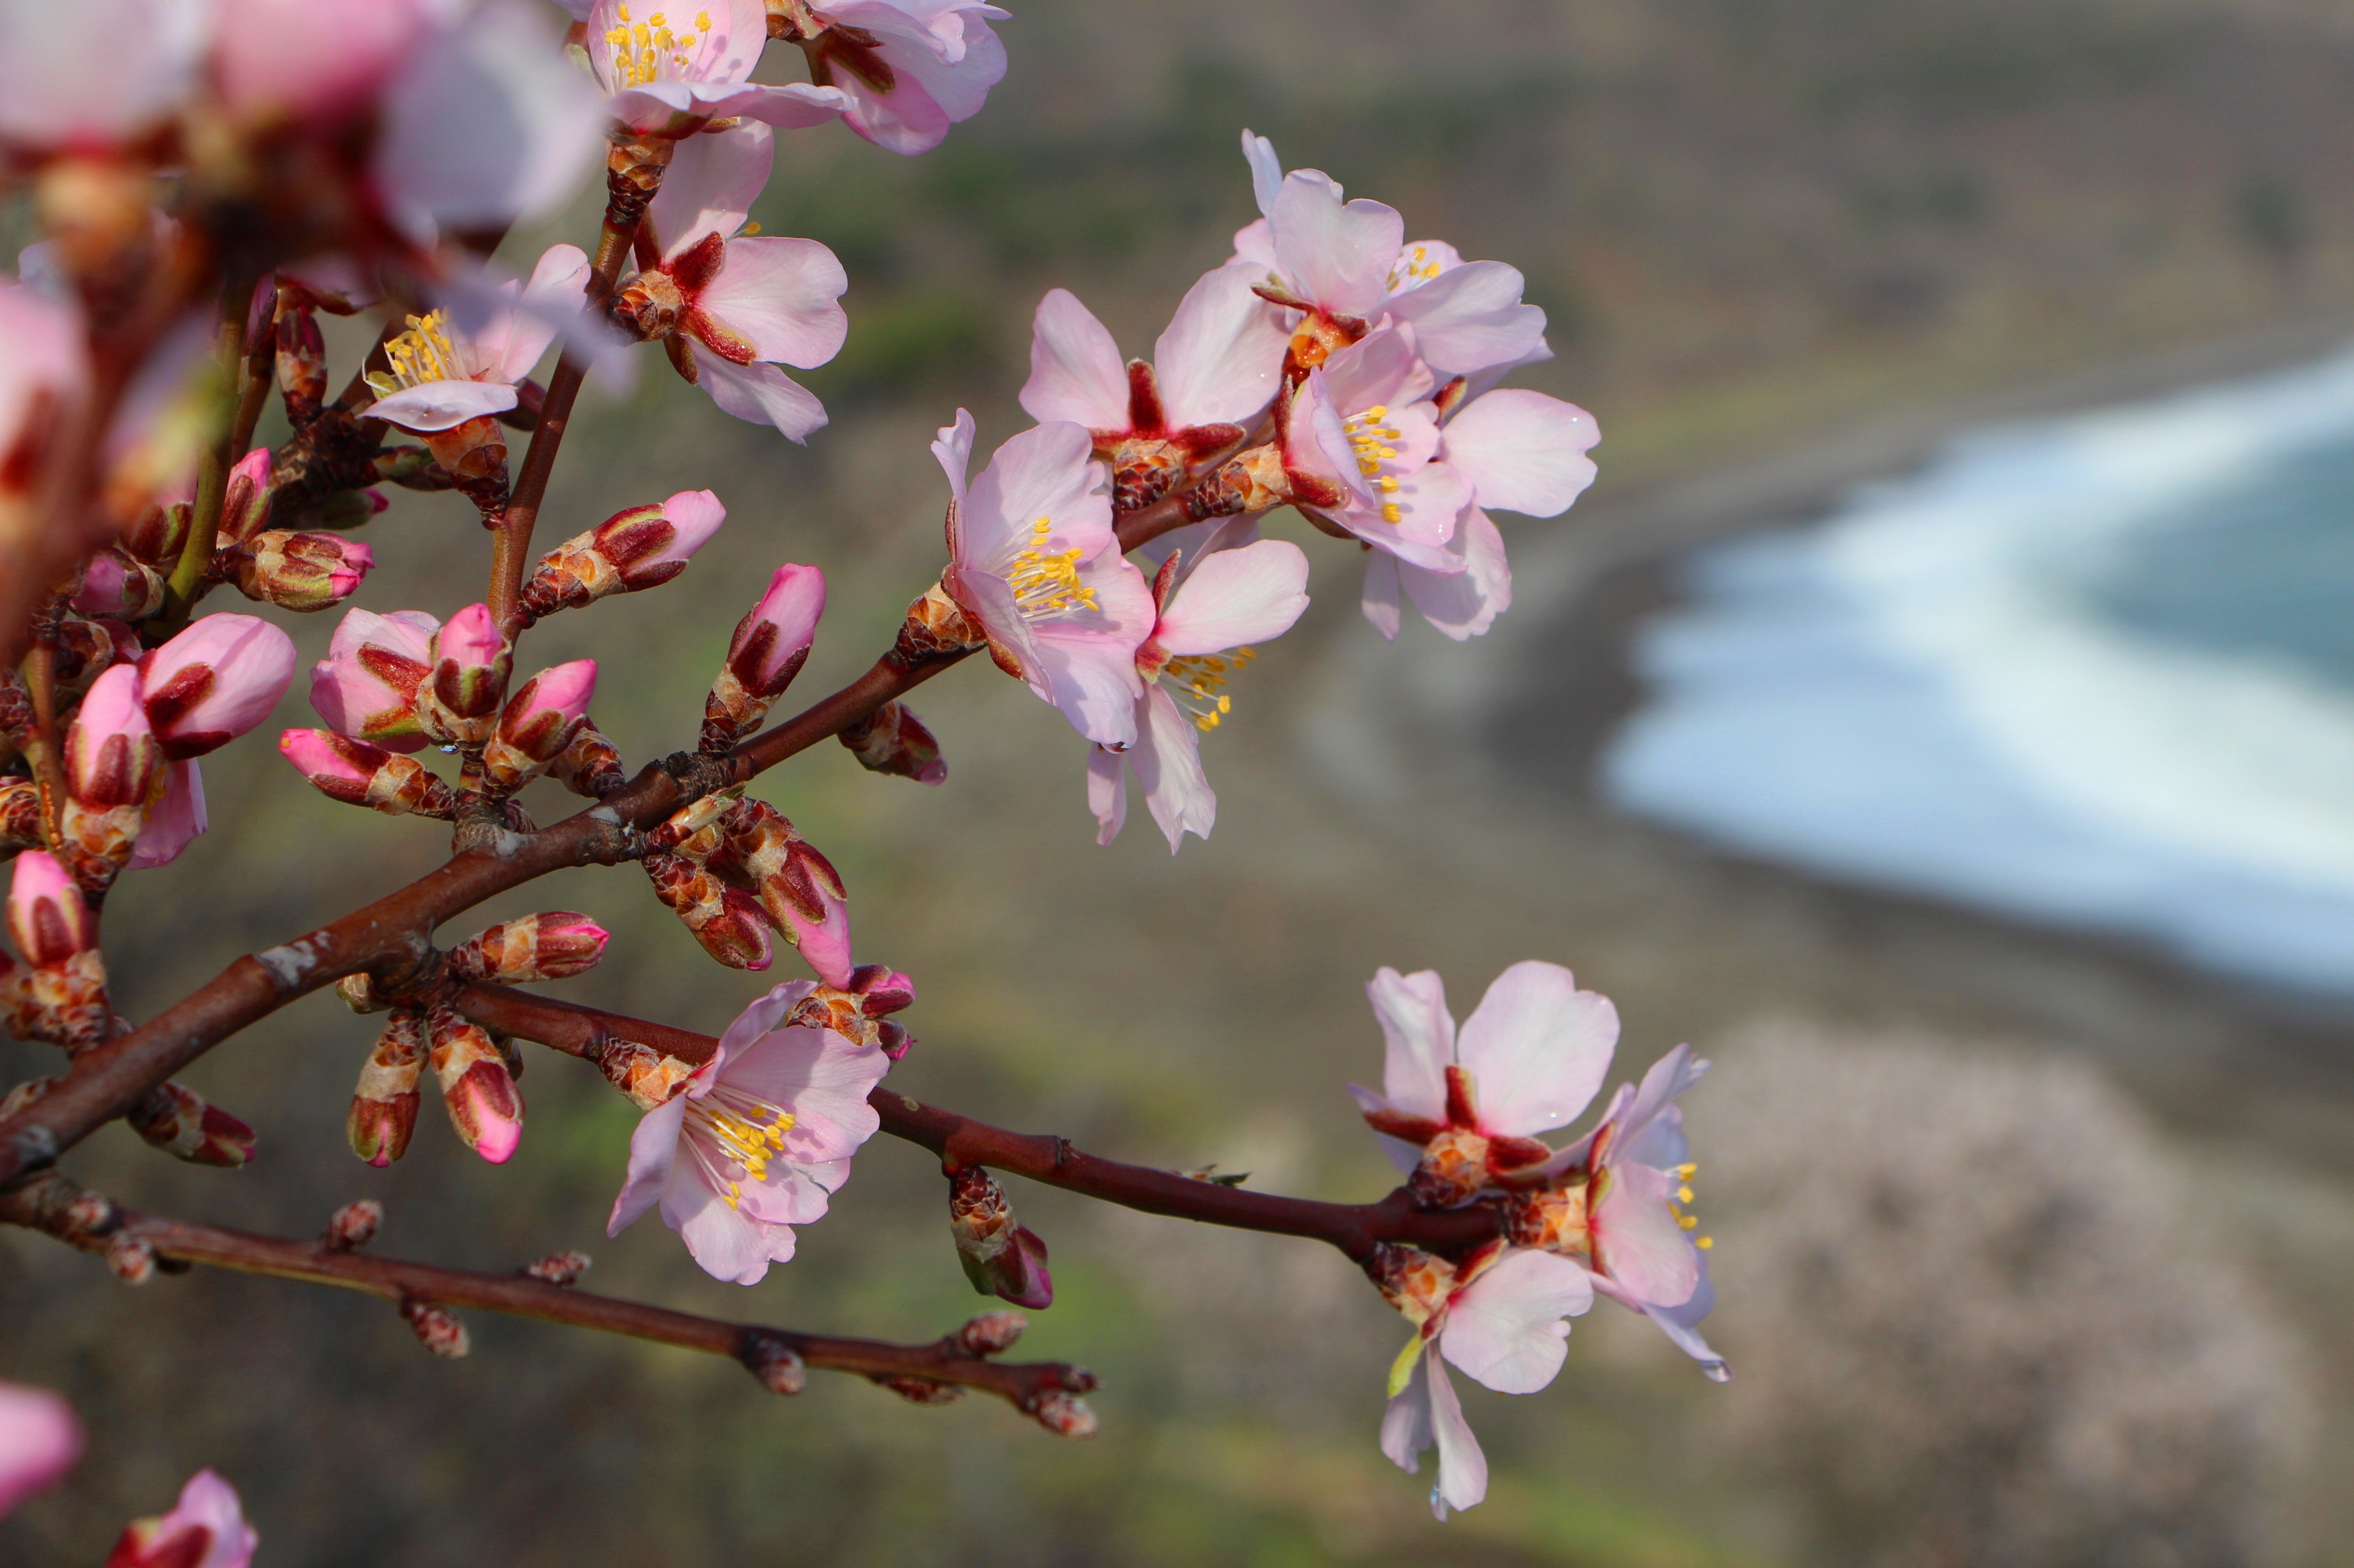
x,y
245,509
366,687
554,946
767,650
174,823
460,700
46,916
300,572
115,586
39,1441
638,547
726,920
539,723
112,755
1000,1256
477,1087
359,774
214,681
206,1530
179,1121
384,1103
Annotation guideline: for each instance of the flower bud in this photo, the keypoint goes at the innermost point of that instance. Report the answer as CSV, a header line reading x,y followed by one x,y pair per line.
x,y
538,724
799,889
555,945
157,535
1000,1256
359,774
245,508
726,920
20,812
777,1364
435,1327
641,547
177,1120
384,1103
477,1089
173,821
302,353
857,1013
214,681
111,757
459,702
47,917
767,650
206,1528
1064,1414
590,766
298,571
133,1263
354,1225
892,740
649,1077
366,687
992,1333
116,585
357,992
558,1268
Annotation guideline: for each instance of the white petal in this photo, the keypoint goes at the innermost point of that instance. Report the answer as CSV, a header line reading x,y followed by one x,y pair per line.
x,y
1235,597
1338,256
1670,1077
761,393
952,449
1636,1241
1523,452
1222,354
1378,598
1168,763
1107,792
653,1149
442,404
514,340
1406,1423
1462,1469
1076,370
1267,173
1464,604
1538,1049
711,184
783,295
1418,1034
1507,1328
729,1244
1045,472
1470,317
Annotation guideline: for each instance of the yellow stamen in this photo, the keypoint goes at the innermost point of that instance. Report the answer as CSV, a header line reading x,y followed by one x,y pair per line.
x,y
420,354
1046,582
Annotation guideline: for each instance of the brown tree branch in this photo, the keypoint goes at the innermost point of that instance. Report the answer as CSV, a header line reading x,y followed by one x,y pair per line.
x,y
962,1142
57,1207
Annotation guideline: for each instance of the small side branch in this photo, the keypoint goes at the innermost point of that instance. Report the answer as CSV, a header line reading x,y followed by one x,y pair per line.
x,y
962,1142
56,1206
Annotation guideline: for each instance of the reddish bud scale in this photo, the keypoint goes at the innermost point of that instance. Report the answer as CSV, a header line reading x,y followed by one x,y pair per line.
x,y
538,724
1064,1414
1000,1256
554,946
992,1333
245,505
301,355
478,1088
590,766
47,917
384,1103
118,586
359,774
799,889
64,1003
918,1390
563,1268
299,572
777,1365
354,1225
892,740
176,1120
132,1260
435,1327
20,812
728,921
625,553
158,535
474,455
458,701
649,1077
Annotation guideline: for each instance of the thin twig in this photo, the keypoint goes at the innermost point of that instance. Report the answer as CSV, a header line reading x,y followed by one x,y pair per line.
x,y
185,585
39,744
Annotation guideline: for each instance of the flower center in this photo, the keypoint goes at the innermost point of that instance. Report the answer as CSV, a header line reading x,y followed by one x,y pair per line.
x,y
1415,267
1199,681
1369,439
420,354
1046,582
1683,1195
641,50
743,1131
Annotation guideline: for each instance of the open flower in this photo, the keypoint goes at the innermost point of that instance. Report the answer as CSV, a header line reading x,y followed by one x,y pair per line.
x,y
907,69
1213,370
97,73
1457,1111
728,306
206,1528
1208,615
1500,1317
39,1440
761,1134
1034,562
672,72
1362,430
443,376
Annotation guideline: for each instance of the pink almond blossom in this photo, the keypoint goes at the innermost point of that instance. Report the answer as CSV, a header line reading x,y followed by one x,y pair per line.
x,y
760,1135
1640,1169
1503,1319
731,307
1213,372
90,76
1208,615
1034,561
367,685
443,374
907,69
1364,426
304,59
39,1441
206,1528
214,681
669,72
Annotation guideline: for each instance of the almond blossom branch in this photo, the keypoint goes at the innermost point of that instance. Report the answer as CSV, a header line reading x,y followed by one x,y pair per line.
x,y
132,1241
964,1143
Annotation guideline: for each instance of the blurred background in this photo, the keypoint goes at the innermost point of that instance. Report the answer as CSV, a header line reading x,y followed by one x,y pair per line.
x,y
1938,714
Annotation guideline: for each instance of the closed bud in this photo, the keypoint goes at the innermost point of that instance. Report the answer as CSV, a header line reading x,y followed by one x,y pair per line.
x,y
117,586
555,945
358,992
857,1014
474,453
459,702
435,1327
115,774
777,1364
558,1268
648,1076
767,650
177,1120
538,724
354,1225
726,920
799,889
302,363
641,547
367,685
245,508
477,1087
992,1333
1000,1256
892,740
131,1259
47,917
1064,1414
297,571
158,535
214,681
359,774
589,764
384,1103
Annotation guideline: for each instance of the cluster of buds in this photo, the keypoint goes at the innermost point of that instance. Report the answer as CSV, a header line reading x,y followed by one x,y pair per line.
x,y
638,547
860,1012
1001,1256
467,664
115,774
770,645
734,869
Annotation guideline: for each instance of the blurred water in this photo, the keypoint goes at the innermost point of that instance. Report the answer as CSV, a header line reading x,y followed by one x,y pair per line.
x,y
2098,672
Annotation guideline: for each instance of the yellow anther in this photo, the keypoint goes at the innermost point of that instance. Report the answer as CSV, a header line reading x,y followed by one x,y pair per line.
x,y
702,20
1703,1242
1389,486
1683,1194
1389,512
1686,1221
1388,452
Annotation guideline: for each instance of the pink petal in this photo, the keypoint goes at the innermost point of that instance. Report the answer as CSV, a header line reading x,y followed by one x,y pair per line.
x,y
1076,370
1418,1034
1042,472
761,393
1406,1422
790,106
1107,792
729,1244
1088,670
1379,367
1470,317
210,1503
1267,173
304,58
1681,1325
176,820
39,1440
1254,248
711,184
442,404
1537,1049
1338,256
953,450
513,343
1378,598
1462,604
1168,763
653,1149
749,1027
822,1079
1523,452
1236,597
1633,1132
87,74
1462,1468
1507,1328
1636,1241
783,296
1222,357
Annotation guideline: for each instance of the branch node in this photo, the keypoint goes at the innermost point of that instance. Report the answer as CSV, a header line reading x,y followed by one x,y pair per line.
x,y
558,1268
918,1390
992,1333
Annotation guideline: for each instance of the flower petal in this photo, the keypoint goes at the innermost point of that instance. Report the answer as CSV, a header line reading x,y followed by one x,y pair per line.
x,y
1379,598
1107,792
1462,1468
653,1149
1076,370
1458,604
729,1244
1508,1326
1636,1241
1637,1135
1337,255
1537,1049
442,404
1168,762
761,393
1222,357
1469,318
1523,451
783,296
511,344
710,185
1418,1036
1407,1423
1234,597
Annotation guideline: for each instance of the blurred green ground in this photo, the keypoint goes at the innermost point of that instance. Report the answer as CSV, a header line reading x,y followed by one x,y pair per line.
x,y
1756,224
